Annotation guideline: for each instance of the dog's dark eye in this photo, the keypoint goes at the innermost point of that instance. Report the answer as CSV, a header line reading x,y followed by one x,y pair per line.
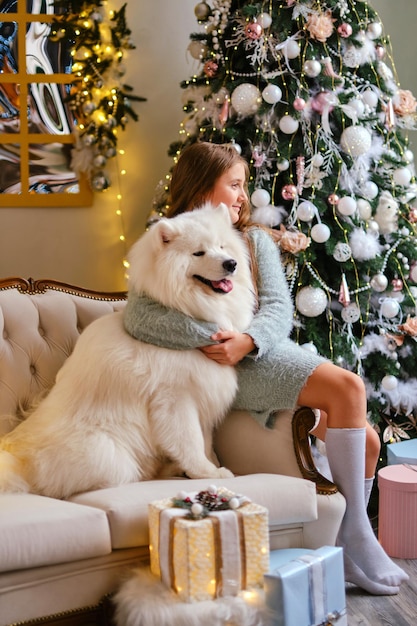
x,y
199,253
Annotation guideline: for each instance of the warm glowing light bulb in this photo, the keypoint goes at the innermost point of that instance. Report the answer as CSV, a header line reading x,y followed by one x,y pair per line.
x,y
123,172
122,238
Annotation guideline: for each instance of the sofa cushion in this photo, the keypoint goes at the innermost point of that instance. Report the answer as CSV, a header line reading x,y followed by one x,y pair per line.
x,y
36,531
37,333
289,500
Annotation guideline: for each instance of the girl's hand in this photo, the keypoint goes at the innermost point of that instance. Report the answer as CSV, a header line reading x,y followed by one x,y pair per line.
x,y
233,347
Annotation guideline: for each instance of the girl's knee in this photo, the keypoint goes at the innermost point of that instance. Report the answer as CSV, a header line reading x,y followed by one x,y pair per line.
x,y
373,442
349,387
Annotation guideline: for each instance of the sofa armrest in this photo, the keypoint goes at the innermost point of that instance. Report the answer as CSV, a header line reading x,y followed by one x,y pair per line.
x,y
245,447
302,423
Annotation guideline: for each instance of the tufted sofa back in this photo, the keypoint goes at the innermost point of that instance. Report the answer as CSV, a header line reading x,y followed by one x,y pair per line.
x,y
40,321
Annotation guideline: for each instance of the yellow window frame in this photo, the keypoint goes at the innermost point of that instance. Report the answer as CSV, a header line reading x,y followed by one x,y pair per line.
x,y
24,138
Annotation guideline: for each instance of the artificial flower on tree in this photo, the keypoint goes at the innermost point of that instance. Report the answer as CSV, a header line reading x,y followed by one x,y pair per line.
x,y
100,101
306,90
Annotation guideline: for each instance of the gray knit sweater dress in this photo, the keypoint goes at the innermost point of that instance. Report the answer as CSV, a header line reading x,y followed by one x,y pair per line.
x,y
271,377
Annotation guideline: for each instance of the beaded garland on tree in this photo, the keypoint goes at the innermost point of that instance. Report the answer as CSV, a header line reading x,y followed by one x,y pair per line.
x,y
307,91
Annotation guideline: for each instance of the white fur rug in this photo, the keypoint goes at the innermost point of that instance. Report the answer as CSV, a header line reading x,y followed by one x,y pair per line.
x,y
143,600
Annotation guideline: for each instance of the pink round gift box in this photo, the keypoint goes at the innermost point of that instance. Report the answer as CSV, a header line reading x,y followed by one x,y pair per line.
x,y
397,521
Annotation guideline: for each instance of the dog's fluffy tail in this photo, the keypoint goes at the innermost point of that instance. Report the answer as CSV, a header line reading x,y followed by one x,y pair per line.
x,y
143,600
11,478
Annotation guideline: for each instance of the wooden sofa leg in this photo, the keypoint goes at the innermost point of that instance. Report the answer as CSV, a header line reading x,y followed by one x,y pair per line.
x,y
302,422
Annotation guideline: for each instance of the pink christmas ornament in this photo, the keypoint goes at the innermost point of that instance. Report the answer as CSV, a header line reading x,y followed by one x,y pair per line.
x,y
299,104
253,30
344,30
344,296
289,192
333,199
389,115
412,216
380,52
397,284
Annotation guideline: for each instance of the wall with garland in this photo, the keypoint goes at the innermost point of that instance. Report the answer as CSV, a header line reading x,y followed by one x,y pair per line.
x,y
84,246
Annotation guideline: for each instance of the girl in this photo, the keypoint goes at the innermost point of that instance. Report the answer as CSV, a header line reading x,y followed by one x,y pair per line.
x,y
273,371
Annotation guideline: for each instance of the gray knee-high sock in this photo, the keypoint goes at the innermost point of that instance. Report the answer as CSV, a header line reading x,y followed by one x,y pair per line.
x,y
369,483
366,563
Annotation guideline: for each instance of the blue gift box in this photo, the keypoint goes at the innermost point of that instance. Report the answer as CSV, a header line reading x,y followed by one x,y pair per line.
x,y
306,587
402,452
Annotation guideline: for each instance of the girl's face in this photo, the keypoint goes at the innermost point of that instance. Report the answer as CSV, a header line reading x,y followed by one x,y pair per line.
x,y
230,189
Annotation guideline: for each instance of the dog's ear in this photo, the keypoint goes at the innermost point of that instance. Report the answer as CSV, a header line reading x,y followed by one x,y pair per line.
x,y
165,230
222,207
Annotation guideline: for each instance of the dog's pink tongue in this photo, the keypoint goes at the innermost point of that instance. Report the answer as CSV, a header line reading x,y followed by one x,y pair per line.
x,y
225,285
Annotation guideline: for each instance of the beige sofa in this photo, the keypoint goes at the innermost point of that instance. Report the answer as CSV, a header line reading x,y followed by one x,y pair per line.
x,y
61,558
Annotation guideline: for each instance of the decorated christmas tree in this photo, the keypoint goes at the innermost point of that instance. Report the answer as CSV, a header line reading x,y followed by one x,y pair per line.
x,y
306,90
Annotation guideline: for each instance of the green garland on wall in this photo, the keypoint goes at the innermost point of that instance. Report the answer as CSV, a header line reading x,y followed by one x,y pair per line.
x,y
100,101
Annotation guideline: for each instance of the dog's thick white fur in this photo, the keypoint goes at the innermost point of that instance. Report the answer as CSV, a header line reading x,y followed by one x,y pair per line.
x,y
121,408
143,600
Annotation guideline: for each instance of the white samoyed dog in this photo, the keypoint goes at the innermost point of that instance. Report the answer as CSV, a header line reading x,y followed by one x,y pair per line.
x,y
121,409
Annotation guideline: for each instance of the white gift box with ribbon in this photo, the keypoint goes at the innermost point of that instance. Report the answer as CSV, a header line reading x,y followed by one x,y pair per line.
x,y
306,588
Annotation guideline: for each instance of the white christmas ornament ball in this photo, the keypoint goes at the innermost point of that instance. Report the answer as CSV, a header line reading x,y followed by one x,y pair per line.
x,y
283,165
246,99
320,233
364,209
317,160
312,68
342,252
402,176
379,282
356,140
409,156
346,205
288,125
306,211
311,301
373,227
375,30
390,308
292,49
389,382
370,98
272,94
260,198
264,19
237,147
370,190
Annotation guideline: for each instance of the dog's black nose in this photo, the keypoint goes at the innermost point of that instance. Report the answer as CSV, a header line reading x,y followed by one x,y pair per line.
x,y
230,265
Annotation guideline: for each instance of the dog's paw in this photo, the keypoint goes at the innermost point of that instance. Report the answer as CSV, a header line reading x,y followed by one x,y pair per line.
x,y
223,472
